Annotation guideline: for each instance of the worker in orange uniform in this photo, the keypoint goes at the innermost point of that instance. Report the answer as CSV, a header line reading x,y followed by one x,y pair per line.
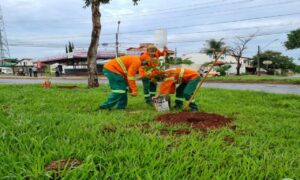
x,y
187,79
121,73
150,57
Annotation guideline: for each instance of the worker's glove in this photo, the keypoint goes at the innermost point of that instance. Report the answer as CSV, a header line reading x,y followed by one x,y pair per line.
x,y
129,90
155,97
134,94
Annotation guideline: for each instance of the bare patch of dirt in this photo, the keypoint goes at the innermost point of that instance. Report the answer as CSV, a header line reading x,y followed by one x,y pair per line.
x,y
67,87
197,120
109,130
63,164
228,140
165,132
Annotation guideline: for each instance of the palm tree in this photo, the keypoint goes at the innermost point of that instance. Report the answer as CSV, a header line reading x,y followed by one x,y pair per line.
x,y
92,52
214,47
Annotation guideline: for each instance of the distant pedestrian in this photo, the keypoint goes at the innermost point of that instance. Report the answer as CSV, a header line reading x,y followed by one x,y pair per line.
x,y
34,69
30,72
57,71
60,68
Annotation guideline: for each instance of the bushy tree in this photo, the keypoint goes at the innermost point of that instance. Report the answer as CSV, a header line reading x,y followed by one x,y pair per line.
x,y
293,41
279,61
223,68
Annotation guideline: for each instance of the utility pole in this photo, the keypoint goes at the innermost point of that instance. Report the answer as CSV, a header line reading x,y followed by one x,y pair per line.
x,y
117,40
258,54
258,61
4,50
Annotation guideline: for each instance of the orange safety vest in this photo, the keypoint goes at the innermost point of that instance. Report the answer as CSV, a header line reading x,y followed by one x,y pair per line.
x,y
151,61
176,76
127,66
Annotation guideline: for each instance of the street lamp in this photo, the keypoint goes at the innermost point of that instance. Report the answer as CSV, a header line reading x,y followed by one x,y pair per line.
x,y
117,39
258,54
267,62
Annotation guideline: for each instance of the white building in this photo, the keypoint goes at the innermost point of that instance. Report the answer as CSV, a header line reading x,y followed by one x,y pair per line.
x,y
199,59
6,70
25,63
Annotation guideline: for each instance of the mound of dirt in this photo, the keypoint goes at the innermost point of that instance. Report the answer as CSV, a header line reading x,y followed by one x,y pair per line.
x,y
198,120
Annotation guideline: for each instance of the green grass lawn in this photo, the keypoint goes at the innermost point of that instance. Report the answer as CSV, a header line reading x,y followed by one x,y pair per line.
x,y
38,126
256,79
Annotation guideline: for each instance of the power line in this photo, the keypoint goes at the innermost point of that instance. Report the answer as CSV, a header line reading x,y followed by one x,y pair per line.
x,y
174,34
159,11
190,9
213,23
228,11
184,33
194,8
171,42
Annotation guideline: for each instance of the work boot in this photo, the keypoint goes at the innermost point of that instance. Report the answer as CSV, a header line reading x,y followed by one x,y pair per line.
x,y
103,108
193,110
121,108
150,103
177,107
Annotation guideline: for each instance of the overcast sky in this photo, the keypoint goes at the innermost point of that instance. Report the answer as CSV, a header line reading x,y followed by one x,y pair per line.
x,y
37,29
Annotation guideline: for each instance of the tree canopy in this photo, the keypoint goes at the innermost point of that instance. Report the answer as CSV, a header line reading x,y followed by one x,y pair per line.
x,y
213,47
293,41
88,2
279,61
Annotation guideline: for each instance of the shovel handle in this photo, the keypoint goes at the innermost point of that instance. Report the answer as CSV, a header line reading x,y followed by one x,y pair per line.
x,y
202,80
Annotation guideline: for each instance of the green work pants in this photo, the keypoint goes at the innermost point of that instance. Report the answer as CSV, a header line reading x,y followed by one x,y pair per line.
x,y
184,92
118,94
149,89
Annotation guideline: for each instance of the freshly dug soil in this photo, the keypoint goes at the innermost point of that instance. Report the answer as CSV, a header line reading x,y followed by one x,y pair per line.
x,y
165,132
198,120
63,164
67,87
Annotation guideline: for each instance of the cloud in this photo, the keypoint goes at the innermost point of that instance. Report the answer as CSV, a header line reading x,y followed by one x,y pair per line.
x,y
189,23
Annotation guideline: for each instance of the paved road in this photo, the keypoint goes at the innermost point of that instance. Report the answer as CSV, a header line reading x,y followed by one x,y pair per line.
x,y
38,81
272,88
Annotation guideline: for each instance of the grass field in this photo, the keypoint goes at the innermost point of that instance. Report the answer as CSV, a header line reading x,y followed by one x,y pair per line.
x,y
256,79
38,126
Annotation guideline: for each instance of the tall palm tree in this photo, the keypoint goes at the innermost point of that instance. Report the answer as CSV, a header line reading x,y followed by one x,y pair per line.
x,y
214,47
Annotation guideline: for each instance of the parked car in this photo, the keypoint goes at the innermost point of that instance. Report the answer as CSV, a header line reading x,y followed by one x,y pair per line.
x,y
210,74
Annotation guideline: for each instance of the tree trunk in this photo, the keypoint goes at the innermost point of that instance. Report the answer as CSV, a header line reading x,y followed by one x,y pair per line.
x,y
238,67
92,52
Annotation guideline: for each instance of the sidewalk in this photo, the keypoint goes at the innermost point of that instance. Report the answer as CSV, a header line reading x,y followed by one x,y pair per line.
x,y
52,78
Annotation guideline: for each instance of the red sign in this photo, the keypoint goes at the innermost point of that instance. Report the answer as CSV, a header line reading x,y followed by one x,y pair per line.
x,y
38,65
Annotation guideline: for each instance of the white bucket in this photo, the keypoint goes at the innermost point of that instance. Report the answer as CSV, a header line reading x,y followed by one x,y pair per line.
x,y
161,104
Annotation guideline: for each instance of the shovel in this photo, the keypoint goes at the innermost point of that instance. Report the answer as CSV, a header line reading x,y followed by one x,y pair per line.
x,y
202,80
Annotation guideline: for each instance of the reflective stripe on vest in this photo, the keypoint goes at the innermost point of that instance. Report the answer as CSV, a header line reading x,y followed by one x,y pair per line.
x,y
180,76
121,64
118,91
170,78
179,99
132,78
